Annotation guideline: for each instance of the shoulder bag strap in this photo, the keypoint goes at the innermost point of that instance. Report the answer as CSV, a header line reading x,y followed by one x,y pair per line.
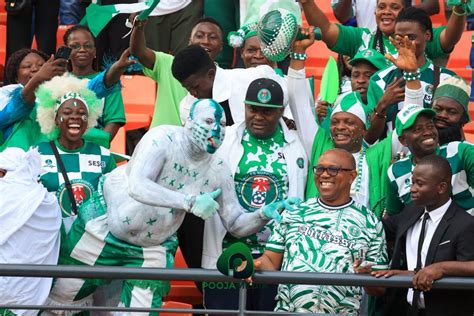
x,y
66,178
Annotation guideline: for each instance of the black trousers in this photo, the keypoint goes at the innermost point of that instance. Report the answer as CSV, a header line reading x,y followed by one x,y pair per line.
x,y
40,20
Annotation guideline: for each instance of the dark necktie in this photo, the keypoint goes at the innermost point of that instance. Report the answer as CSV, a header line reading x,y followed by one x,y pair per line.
x,y
417,293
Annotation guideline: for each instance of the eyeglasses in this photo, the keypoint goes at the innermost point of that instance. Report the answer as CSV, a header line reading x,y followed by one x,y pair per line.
x,y
332,171
86,46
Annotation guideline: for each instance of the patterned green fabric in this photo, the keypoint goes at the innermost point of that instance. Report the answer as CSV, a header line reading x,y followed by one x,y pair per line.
x,y
461,158
90,243
381,79
84,167
320,238
6,312
261,179
353,39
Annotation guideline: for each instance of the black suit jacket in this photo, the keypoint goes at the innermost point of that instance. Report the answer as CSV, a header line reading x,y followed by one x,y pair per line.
x,y
453,240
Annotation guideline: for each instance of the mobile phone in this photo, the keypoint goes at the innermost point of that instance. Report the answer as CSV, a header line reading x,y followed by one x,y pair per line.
x,y
63,52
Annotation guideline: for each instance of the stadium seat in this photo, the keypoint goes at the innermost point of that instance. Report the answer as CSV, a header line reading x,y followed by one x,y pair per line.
x,y
183,291
469,127
3,48
60,33
118,143
318,54
325,6
470,138
136,121
459,58
3,18
172,304
139,94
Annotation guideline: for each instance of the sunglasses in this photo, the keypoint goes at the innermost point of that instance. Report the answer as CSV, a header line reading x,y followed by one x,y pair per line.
x,y
332,171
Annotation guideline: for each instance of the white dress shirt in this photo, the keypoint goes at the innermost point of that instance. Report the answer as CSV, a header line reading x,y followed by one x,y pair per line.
x,y
413,234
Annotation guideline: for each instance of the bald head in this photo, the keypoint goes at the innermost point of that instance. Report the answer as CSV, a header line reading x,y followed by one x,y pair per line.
x,y
340,156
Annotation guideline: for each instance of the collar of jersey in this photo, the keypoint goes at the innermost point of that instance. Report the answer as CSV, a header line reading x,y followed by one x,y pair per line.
x,y
337,207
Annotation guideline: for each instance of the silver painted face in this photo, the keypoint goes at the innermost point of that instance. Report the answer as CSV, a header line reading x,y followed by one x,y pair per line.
x,y
208,125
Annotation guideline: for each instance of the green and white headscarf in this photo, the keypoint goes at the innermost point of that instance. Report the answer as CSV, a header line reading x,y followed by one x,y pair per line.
x,y
352,103
457,89
237,38
53,93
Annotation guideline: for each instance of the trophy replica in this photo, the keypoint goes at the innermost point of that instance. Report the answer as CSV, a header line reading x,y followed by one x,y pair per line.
x,y
277,30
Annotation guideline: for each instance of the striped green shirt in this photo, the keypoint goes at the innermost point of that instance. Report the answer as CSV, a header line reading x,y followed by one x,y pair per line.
x,y
84,168
383,78
320,238
461,158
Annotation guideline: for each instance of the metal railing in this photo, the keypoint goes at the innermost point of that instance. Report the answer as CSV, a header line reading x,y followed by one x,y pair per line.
x,y
260,277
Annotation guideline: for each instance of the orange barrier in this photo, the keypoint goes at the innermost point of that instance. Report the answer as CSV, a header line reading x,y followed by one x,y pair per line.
x,y
183,291
170,304
139,94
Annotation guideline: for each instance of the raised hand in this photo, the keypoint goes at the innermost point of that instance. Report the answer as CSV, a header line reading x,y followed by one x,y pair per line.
x,y
273,210
300,46
406,60
51,68
394,93
321,109
205,205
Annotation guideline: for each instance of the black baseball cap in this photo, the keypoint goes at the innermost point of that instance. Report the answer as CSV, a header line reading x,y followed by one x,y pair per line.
x,y
265,92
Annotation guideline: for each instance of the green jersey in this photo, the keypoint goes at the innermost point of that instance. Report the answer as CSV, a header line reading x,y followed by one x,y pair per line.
x,y
261,178
353,39
383,78
84,167
321,238
461,158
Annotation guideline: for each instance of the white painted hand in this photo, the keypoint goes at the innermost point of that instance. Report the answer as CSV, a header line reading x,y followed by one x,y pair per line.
x,y
205,205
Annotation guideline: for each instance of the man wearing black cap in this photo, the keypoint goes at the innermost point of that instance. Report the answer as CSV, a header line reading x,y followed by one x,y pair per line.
x,y
268,164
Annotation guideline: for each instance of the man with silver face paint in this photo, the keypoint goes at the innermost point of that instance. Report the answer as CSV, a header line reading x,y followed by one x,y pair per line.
x,y
133,218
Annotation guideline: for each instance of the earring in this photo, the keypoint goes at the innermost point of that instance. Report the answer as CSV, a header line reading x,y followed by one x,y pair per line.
x,y
61,119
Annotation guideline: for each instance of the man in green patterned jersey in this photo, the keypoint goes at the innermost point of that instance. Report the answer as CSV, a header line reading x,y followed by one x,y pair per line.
x,y
268,164
326,234
418,132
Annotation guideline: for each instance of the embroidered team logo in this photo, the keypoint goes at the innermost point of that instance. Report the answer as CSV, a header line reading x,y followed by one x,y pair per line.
x,y
354,231
258,190
48,163
81,190
264,95
300,162
368,53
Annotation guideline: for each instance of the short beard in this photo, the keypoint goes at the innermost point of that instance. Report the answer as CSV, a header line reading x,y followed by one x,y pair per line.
x,y
449,134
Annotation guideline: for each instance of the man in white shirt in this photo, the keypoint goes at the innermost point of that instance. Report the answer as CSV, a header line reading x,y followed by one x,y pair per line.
x,y
432,229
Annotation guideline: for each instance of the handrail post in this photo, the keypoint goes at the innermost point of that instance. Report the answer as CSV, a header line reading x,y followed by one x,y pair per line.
x,y
242,298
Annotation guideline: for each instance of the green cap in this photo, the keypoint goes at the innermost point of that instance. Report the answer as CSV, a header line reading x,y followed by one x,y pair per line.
x,y
457,89
372,56
408,114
